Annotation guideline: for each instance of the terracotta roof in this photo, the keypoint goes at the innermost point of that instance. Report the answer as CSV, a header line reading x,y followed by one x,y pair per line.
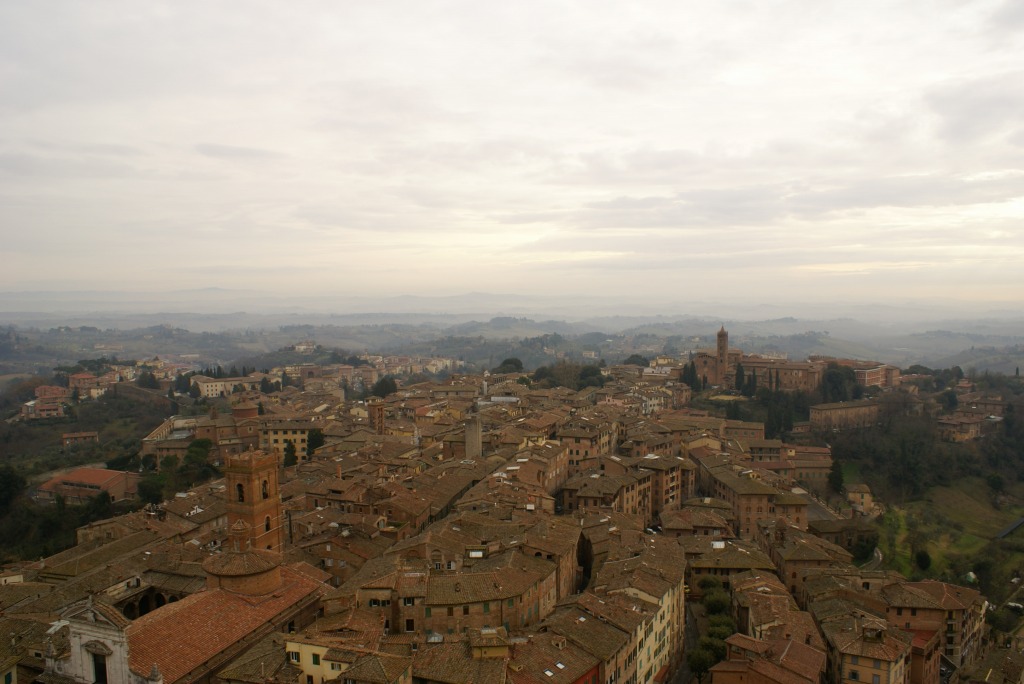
x,y
186,635
549,658
450,663
378,668
241,563
99,477
589,632
263,662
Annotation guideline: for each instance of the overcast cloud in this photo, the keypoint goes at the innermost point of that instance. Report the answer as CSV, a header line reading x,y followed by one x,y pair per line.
x,y
771,149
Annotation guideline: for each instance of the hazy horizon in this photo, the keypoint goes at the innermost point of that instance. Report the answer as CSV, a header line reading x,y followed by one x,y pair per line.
x,y
219,306
764,154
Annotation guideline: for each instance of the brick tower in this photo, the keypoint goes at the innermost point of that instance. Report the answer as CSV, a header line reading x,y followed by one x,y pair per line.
x,y
375,409
254,498
722,366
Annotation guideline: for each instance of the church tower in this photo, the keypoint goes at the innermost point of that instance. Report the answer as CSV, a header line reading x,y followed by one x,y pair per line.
x,y
722,366
254,498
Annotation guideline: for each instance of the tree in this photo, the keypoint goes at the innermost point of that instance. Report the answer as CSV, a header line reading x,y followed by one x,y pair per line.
x,y
290,457
636,360
314,440
750,384
837,383
864,546
99,507
11,485
835,477
709,583
699,661
739,377
721,632
716,647
716,601
949,400
1003,620
923,559
384,387
147,380
590,376
509,365
722,620
151,489
195,467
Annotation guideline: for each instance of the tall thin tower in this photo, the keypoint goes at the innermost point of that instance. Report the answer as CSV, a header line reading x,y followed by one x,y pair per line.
x,y
722,366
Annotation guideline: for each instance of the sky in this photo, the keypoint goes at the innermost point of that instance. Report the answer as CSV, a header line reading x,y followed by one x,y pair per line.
x,y
768,150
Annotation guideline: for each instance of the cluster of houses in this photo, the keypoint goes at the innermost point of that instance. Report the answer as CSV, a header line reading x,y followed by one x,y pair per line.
x,y
477,530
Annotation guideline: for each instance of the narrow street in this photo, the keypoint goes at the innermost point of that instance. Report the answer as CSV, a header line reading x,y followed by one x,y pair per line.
x,y
682,676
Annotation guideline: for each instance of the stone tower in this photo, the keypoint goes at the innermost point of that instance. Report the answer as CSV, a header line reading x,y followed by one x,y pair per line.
x,y
375,409
722,365
254,498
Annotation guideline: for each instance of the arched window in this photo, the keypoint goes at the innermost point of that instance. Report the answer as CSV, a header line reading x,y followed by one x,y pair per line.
x,y
241,492
266,490
266,524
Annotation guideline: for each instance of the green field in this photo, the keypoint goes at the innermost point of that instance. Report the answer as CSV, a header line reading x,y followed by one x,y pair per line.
x,y
957,526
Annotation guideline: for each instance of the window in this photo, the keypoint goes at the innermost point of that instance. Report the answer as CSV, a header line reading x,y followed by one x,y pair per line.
x,y
293,657
426,611
875,679
465,610
99,668
855,660
240,491
316,658
451,565
511,602
266,490
487,606
266,524
410,625
336,666
451,611
854,675
408,601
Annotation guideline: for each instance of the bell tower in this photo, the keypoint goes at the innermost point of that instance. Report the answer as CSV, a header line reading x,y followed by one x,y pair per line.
x,y
254,498
722,364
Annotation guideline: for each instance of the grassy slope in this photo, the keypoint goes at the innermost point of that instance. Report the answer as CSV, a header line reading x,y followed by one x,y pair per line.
x,y
958,523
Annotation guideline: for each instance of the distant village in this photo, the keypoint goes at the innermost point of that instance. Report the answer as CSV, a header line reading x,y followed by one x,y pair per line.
x,y
478,529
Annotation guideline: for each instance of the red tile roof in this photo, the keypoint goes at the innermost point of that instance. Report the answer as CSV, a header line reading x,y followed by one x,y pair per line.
x,y
183,636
